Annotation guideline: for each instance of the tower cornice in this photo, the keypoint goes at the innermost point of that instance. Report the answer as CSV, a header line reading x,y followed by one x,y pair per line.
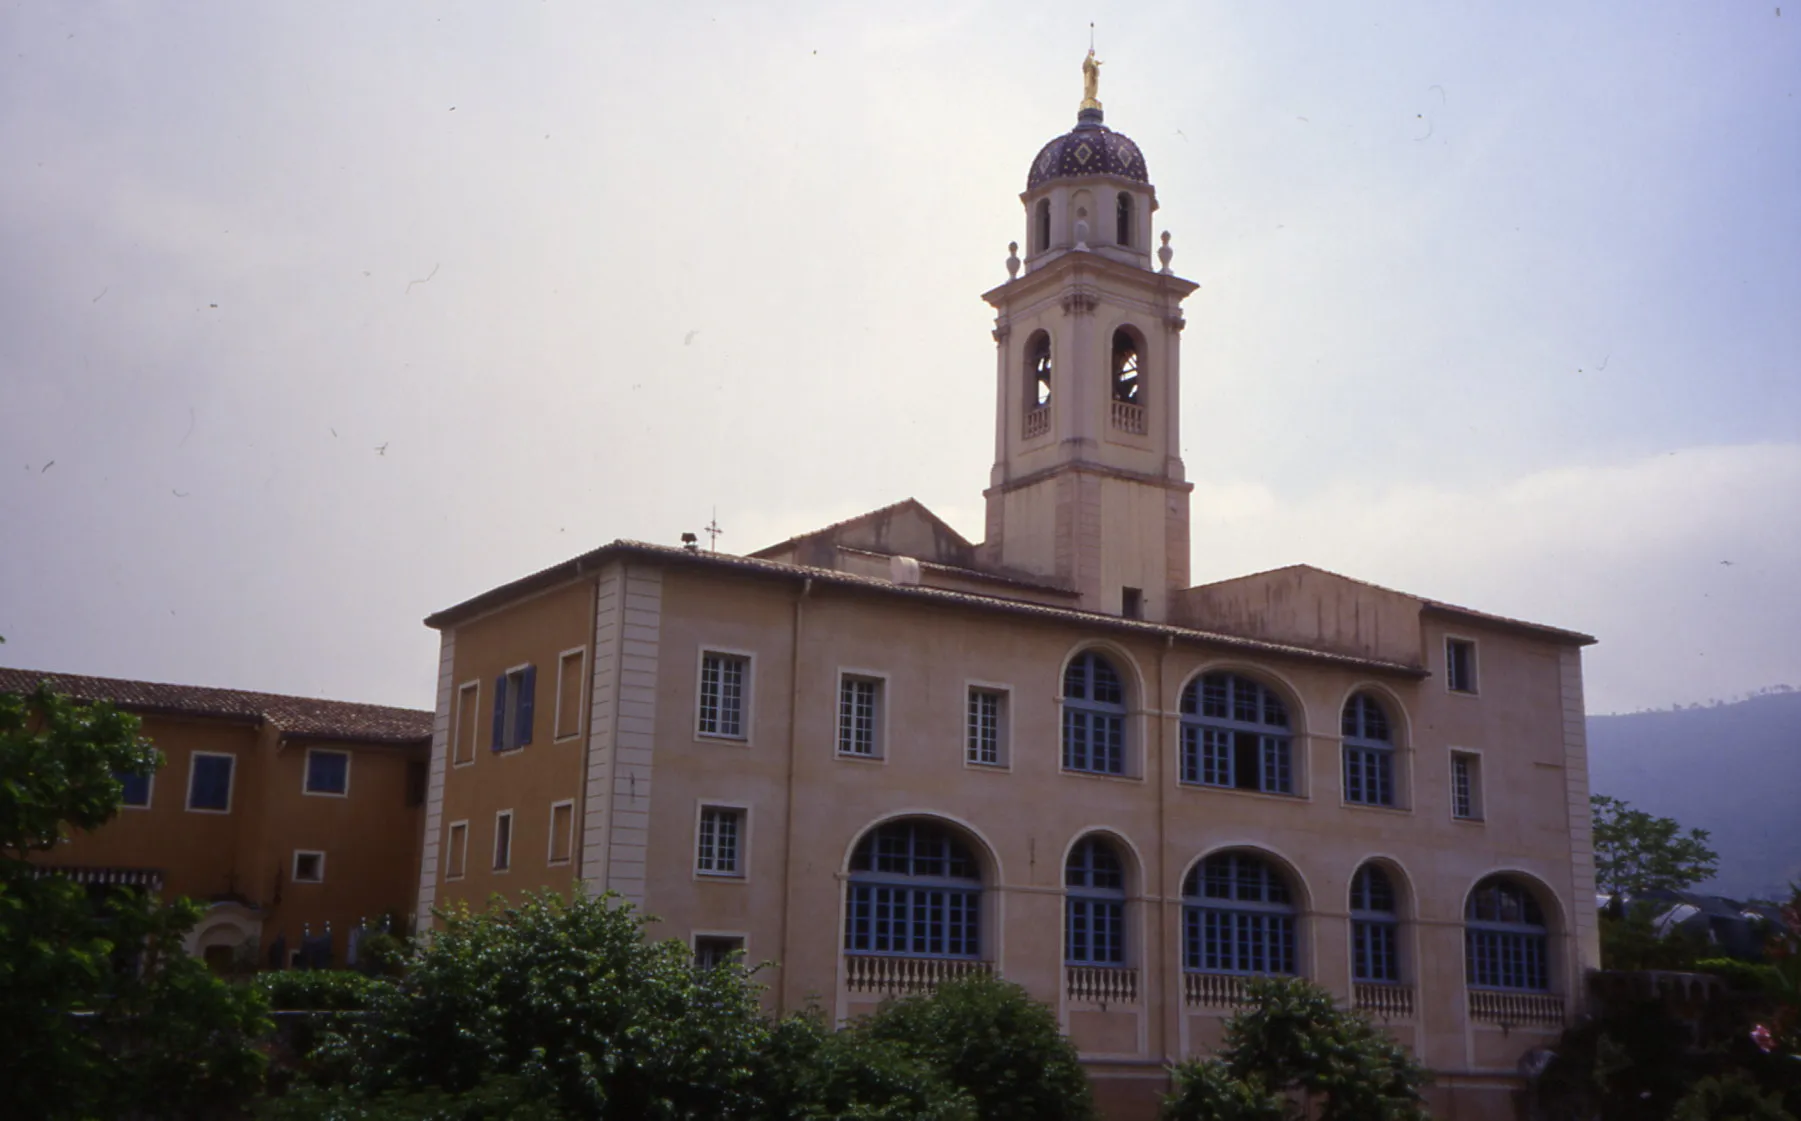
x,y
1058,272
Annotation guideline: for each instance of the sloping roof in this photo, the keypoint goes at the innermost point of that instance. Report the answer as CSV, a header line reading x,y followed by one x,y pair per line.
x,y
1427,604
294,716
575,567
908,505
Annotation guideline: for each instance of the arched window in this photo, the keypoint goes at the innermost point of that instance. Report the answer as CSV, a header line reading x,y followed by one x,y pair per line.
x,y
1375,941
1235,733
1506,944
1237,917
1369,753
1094,717
1041,226
1094,908
1123,219
915,890
1128,386
1038,371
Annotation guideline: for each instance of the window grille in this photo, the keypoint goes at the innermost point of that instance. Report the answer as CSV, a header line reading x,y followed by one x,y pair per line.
x,y
1460,665
1375,943
1094,717
1094,905
984,744
1237,917
718,845
1506,943
857,712
915,891
1235,733
722,695
1464,787
1368,753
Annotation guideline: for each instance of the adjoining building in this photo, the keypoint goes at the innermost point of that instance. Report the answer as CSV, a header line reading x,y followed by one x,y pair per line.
x,y
287,817
880,755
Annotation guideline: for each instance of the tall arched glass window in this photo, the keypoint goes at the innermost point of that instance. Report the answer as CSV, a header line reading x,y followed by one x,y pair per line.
x,y
1128,386
1235,733
1038,371
1369,753
1375,927
915,890
1094,908
1237,917
1123,219
1506,943
1094,716
1041,226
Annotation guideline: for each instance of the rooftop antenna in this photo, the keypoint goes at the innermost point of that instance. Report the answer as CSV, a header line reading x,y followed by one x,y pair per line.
x,y
713,531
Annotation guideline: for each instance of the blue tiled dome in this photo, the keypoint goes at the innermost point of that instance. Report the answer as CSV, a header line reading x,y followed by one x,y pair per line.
x,y
1091,148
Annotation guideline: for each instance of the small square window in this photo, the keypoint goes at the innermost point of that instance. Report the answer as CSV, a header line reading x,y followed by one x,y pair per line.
x,y
503,840
468,723
570,681
514,693
309,867
1460,665
327,772
714,950
986,739
1466,786
860,716
456,850
562,832
135,793
719,847
209,782
723,680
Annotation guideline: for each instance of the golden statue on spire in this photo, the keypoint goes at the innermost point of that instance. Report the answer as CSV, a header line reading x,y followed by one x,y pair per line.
x,y
1091,80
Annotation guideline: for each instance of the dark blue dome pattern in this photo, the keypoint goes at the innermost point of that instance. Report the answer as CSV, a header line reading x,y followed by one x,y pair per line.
x,y
1090,148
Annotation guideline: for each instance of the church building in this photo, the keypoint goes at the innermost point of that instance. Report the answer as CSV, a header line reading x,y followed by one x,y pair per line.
x,y
880,755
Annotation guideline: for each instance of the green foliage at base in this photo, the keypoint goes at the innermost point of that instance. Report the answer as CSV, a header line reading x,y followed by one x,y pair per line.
x,y
1734,1097
813,1073
320,990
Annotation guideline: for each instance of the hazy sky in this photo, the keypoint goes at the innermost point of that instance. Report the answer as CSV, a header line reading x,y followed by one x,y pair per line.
x,y
1501,304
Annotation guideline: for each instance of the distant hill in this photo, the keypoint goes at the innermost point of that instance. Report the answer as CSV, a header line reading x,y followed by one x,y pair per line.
x,y
1732,769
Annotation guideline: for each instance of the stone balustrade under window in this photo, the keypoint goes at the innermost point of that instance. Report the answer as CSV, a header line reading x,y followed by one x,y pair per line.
x,y
1490,1006
1383,1001
1038,421
868,973
1101,984
1128,417
1214,990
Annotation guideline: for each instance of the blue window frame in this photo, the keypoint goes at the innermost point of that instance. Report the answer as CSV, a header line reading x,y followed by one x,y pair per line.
x,y
209,782
1235,733
327,772
1375,941
514,704
1506,942
915,891
1237,917
135,790
1094,909
1369,753
1094,717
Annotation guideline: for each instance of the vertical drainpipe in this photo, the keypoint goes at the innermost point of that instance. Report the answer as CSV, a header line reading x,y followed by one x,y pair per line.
x,y
578,825
1162,1044
806,589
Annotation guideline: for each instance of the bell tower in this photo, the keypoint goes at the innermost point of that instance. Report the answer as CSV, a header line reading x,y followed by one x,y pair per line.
x,y
1088,485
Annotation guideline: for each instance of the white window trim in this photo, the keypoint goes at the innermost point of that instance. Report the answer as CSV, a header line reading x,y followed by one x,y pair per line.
x,y
747,717
494,864
1006,725
450,831
743,937
880,755
550,850
231,784
149,795
742,875
581,694
1475,666
294,871
1478,792
307,771
475,724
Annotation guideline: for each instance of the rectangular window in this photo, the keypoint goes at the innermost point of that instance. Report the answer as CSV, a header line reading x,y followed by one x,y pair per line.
x,y
209,782
570,680
1237,759
1369,776
1373,952
513,704
456,850
1131,603
1466,786
309,867
1503,959
859,716
327,772
718,849
1221,941
722,678
1460,665
987,727
466,725
1096,931
1093,741
913,921
136,790
562,832
503,840
1278,771
714,950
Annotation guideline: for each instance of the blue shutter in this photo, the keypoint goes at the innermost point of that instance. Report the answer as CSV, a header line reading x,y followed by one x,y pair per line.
x,y
500,713
528,681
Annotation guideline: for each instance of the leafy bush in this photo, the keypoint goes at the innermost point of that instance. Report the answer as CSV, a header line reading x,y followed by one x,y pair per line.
x,y
994,1042
500,1098
816,1074
320,990
1743,976
1734,1097
1206,1091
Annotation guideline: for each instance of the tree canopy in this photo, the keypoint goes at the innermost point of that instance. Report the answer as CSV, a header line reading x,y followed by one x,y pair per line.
x,y
1636,851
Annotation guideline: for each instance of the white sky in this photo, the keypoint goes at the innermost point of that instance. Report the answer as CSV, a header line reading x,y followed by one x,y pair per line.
x,y
1500,304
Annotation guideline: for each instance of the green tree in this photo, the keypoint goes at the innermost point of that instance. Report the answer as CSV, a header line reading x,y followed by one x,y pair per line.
x,y
816,1074
1636,851
994,1042
101,1011
1294,1040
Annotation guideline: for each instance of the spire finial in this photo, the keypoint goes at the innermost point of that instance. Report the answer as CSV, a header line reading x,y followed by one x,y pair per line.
x,y
1091,77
